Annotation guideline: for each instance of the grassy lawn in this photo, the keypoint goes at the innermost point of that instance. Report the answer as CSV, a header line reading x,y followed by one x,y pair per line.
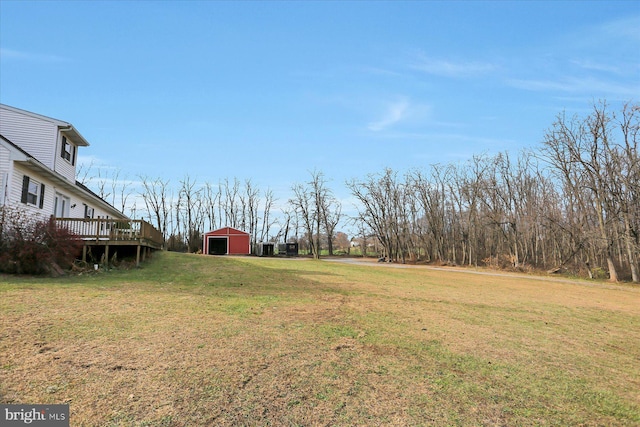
x,y
199,341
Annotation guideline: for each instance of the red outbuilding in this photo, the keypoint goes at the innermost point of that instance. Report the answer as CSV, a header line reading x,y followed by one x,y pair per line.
x,y
226,241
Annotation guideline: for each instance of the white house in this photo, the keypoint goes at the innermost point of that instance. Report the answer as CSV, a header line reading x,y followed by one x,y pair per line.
x,y
38,158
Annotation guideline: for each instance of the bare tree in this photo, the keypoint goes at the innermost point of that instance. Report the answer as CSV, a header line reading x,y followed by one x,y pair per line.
x,y
230,203
432,200
601,175
329,209
268,220
625,184
120,190
317,209
192,211
383,210
251,210
156,199
211,202
302,203
83,172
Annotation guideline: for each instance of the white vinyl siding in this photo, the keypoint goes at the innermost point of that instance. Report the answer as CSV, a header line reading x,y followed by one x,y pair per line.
x,y
43,138
15,194
35,136
63,166
4,183
75,205
61,206
4,159
4,174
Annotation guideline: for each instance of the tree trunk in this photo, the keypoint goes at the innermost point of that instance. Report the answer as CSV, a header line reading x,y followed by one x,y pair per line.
x,y
633,260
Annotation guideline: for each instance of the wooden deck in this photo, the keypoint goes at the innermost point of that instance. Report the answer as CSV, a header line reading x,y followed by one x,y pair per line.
x,y
114,232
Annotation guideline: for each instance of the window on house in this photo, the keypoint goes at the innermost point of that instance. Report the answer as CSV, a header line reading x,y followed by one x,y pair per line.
x,y
68,150
61,206
104,225
32,192
88,212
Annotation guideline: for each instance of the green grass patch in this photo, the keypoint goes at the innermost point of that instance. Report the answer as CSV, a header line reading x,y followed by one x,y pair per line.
x,y
198,340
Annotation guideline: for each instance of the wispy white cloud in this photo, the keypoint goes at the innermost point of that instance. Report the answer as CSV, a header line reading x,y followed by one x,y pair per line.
x,y
93,169
90,161
7,54
595,61
588,85
588,64
449,139
450,68
627,28
380,71
395,113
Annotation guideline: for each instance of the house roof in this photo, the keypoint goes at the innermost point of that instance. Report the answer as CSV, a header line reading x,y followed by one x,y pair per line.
x,y
14,146
29,162
65,127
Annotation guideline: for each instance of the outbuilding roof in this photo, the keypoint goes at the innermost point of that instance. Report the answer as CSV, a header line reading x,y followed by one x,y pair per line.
x,y
226,231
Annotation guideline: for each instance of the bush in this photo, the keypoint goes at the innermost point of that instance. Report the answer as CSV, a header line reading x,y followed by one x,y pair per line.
x,y
32,246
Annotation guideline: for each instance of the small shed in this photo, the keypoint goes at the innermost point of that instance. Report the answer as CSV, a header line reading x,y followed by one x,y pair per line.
x,y
264,249
288,249
226,241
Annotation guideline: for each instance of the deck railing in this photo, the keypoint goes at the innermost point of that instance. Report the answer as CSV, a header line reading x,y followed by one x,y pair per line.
x,y
102,229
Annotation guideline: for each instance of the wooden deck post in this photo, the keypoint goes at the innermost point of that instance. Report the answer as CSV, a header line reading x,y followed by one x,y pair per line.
x,y
84,253
138,256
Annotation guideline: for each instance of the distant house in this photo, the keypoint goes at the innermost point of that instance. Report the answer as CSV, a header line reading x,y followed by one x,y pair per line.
x,y
226,241
38,160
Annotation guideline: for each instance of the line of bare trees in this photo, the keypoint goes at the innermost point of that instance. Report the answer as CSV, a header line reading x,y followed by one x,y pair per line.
x,y
183,214
573,204
316,208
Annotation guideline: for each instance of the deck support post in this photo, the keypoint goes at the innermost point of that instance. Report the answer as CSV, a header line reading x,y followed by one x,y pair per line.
x,y
106,256
84,253
138,256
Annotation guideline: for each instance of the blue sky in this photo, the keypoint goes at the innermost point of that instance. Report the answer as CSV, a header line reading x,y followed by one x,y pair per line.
x,y
269,91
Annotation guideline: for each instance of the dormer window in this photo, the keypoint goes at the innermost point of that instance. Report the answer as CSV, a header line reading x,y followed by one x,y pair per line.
x,y
68,151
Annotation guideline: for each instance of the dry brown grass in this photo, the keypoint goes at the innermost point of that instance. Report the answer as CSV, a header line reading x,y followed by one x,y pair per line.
x,y
195,340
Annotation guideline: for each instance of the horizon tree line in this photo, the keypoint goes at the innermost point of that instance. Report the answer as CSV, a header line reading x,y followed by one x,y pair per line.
x,y
571,204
